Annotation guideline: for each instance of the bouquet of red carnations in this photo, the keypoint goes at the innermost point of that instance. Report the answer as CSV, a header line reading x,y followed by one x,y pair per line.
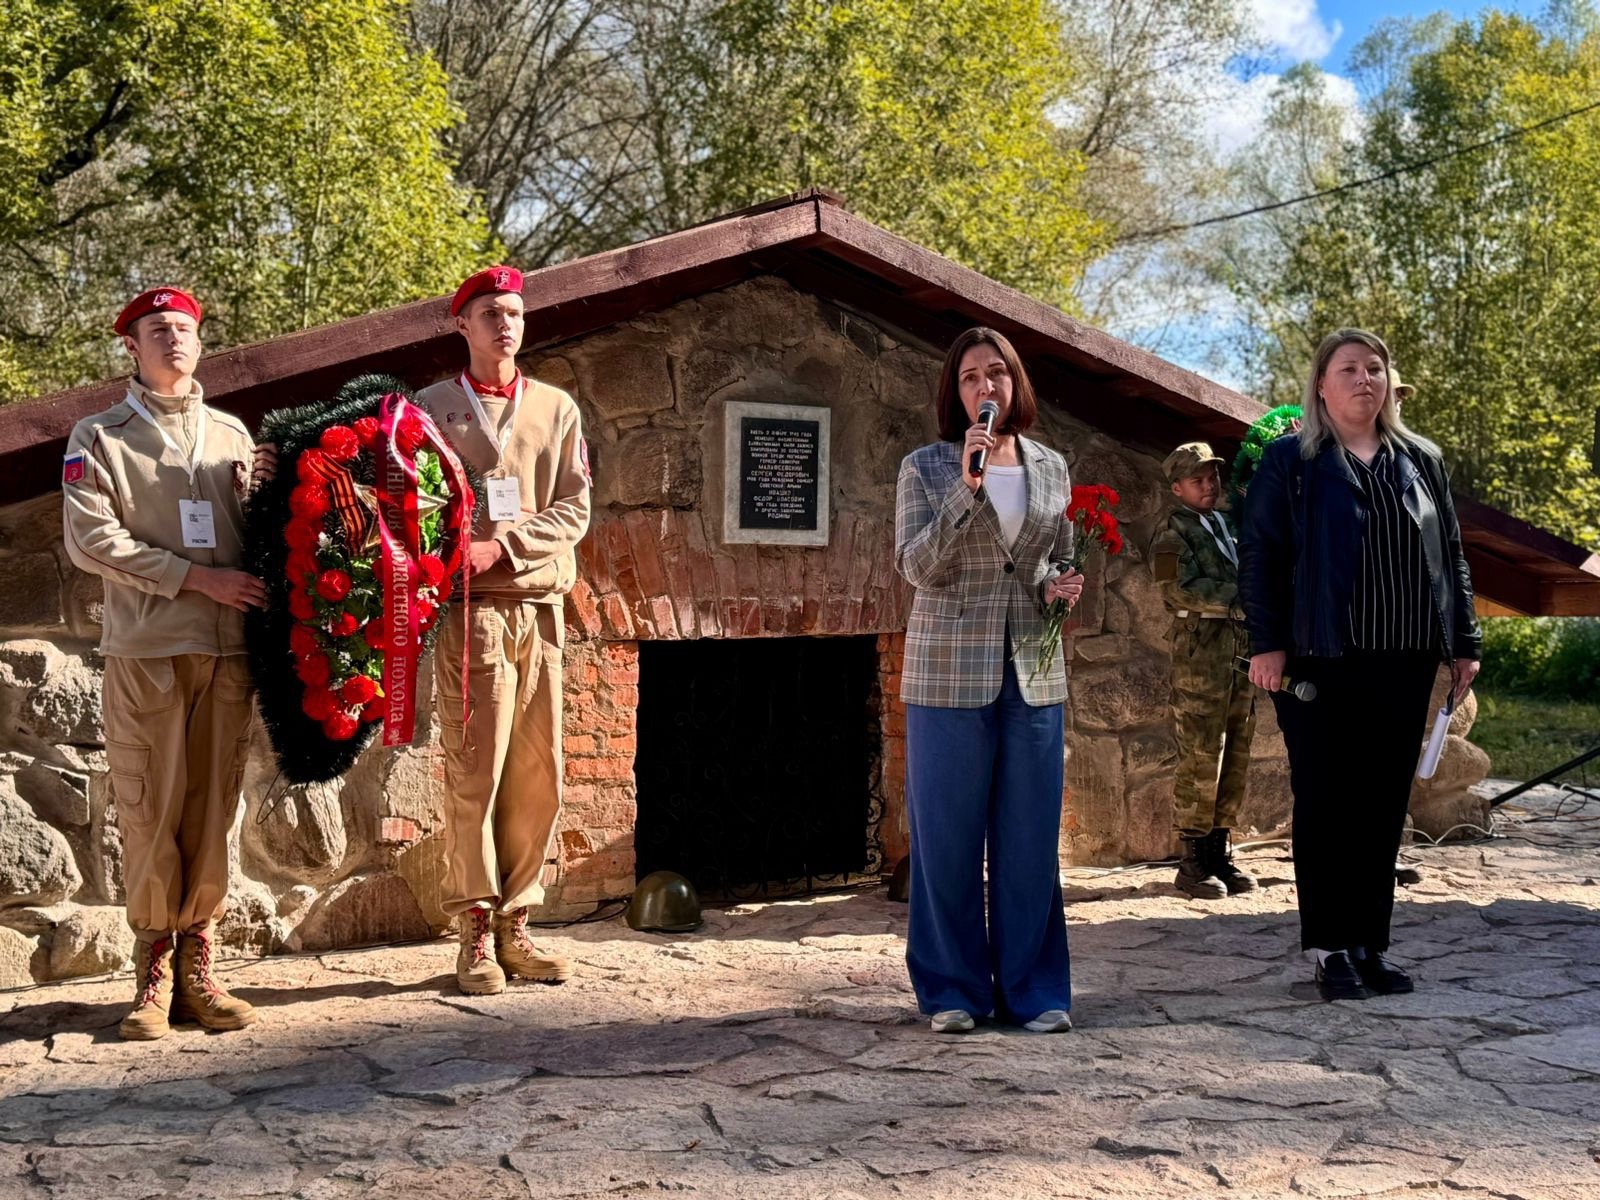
x,y
1090,508
359,538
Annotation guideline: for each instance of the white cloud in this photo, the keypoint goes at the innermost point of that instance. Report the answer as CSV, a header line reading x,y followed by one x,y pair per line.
x,y
1235,122
1294,29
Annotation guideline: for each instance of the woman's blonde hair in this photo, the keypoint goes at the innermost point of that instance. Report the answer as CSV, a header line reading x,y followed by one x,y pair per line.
x,y
1315,426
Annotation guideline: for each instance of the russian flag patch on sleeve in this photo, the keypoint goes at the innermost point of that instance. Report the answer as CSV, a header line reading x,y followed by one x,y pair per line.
x,y
72,467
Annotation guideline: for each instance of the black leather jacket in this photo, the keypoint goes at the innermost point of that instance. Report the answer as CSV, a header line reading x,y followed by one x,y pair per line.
x,y
1302,539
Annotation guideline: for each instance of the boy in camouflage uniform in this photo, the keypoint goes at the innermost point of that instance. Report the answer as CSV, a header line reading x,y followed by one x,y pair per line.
x,y
1195,559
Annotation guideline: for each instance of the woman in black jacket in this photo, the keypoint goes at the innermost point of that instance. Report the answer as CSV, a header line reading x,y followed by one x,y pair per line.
x,y
1353,579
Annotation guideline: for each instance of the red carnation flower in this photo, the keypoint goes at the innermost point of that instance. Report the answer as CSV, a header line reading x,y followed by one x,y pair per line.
x,y
302,642
319,703
432,568
412,434
344,625
368,432
301,534
340,727
300,606
310,502
426,609
1113,541
375,633
339,442
333,586
299,565
373,711
313,669
306,466
358,689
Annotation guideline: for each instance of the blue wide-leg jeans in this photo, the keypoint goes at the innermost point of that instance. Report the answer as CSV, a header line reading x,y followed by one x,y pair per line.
x,y
975,776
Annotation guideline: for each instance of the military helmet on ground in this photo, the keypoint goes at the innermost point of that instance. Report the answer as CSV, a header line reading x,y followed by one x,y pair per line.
x,y
664,901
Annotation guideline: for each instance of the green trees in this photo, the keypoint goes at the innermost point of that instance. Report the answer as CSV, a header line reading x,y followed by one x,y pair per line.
x,y
1481,270
282,160
931,116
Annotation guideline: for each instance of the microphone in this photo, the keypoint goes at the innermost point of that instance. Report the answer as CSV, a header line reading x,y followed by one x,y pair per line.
x,y
1302,690
1435,747
988,413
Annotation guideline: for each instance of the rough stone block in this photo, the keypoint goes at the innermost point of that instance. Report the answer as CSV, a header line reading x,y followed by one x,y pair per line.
x,y
60,797
90,942
84,599
302,838
654,467
32,592
62,704
16,956
623,375
36,863
361,911
1115,697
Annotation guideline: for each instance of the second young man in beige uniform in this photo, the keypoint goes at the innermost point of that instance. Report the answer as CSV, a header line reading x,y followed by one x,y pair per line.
x,y
503,766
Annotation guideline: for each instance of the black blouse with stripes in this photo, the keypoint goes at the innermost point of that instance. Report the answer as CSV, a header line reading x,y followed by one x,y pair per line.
x,y
1392,608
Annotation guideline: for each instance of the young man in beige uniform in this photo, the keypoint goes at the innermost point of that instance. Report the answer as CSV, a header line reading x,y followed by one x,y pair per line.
x,y
503,766
151,490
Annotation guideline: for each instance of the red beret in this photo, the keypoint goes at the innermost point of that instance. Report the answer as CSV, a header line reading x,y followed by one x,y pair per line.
x,y
490,279
163,299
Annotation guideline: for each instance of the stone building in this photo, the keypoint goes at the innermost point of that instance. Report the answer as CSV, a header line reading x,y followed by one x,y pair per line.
x,y
730,705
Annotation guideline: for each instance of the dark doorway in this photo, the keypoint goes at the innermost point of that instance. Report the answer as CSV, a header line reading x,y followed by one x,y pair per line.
x,y
756,761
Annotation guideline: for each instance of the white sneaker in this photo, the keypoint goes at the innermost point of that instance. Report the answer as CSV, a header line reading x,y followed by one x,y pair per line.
x,y
1052,1020
952,1020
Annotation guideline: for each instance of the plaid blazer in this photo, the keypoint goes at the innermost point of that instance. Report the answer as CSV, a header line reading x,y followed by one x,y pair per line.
x,y
970,586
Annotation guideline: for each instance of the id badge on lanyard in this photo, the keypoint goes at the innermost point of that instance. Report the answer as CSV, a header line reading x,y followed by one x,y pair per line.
x,y
196,518
505,491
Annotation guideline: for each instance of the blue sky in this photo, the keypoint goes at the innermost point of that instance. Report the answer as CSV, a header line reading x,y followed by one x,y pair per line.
x,y
1350,20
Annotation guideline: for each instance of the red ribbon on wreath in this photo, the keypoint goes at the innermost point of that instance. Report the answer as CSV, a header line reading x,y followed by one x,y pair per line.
x,y
403,432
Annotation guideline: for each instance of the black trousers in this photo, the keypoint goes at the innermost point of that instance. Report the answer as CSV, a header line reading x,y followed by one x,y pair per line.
x,y
1352,754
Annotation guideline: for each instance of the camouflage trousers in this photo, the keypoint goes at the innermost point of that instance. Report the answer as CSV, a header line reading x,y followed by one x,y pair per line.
x,y
1214,711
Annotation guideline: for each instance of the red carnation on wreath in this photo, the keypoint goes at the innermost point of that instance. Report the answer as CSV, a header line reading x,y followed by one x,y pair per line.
x,y
340,443
333,585
344,625
1089,508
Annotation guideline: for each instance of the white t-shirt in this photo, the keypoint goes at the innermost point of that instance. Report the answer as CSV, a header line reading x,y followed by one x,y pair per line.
x,y
1008,492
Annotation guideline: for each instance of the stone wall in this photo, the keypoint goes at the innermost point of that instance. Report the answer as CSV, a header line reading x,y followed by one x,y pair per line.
x,y
360,860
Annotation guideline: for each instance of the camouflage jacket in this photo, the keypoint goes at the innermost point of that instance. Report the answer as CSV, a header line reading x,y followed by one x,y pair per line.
x,y
1190,568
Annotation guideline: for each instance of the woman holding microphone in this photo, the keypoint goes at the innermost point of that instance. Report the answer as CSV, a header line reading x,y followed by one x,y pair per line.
x,y
1353,579
981,533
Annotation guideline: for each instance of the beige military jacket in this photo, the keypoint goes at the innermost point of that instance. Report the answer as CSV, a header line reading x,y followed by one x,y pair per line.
x,y
546,454
121,486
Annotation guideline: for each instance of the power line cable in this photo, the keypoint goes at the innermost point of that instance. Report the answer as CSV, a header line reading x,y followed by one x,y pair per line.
x,y
1392,173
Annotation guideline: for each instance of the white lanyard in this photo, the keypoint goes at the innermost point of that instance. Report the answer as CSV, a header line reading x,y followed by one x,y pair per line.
x,y
483,417
193,464
1220,536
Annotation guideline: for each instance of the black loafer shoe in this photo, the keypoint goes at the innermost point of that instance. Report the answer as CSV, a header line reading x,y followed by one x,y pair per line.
x,y
1382,976
1337,979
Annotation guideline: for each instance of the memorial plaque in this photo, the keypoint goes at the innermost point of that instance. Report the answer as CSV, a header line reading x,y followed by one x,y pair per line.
x,y
776,470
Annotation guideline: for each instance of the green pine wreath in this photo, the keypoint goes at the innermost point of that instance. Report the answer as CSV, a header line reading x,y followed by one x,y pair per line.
x,y
305,750
1267,429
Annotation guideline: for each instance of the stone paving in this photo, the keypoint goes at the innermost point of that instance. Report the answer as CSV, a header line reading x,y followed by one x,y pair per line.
x,y
777,1054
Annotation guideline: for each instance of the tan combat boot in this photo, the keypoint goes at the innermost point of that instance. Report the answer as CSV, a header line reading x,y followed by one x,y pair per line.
x,y
152,1000
200,997
477,973
520,957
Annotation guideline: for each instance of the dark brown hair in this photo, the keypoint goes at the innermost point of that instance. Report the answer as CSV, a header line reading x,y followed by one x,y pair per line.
x,y
953,419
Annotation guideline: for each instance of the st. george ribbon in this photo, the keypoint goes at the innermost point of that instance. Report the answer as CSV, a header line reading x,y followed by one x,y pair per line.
x,y
988,413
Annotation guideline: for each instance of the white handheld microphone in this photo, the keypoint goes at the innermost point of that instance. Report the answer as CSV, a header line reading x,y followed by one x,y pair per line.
x,y
1441,726
988,413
